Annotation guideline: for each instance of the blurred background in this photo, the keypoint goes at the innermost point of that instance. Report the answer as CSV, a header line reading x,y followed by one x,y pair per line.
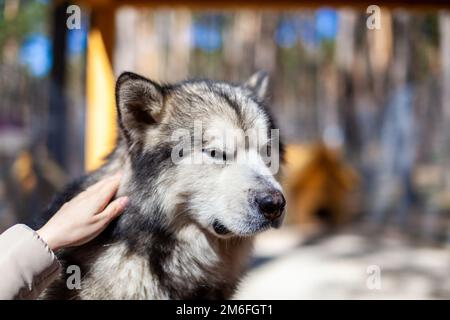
x,y
361,95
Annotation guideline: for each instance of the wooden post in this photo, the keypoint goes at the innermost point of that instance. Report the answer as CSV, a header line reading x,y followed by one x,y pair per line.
x,y
100,114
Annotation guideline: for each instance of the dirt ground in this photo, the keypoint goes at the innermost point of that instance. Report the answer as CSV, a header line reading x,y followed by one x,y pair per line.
x,y
345,265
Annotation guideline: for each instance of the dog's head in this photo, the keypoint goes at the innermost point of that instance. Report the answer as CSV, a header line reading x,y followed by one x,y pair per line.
x,y
206,150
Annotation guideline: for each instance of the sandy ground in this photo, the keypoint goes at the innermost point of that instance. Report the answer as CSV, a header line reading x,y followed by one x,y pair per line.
x,y
345,265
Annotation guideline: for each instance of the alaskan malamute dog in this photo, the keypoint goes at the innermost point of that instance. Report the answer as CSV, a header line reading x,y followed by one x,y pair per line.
x,y
194,208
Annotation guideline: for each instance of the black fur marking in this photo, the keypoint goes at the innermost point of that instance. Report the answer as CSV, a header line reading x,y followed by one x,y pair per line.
x,y
148,165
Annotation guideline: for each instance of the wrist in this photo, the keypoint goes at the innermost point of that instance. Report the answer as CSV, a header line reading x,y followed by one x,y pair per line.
x,y
50,240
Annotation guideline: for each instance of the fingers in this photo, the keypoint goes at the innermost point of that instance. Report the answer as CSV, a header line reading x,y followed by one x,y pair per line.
x,y
94,188
107,191
113,181
103,191
114,209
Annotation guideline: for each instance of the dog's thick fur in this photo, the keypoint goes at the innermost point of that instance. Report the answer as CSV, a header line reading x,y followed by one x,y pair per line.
x,y
164,245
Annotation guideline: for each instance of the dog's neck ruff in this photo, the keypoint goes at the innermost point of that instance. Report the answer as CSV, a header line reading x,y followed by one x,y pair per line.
x,y
184,260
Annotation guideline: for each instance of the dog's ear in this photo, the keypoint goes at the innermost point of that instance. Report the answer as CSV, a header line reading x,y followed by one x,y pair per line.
x,y
139,103
258,83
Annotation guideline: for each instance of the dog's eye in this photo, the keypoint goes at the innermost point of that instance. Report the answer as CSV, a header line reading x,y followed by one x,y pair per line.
x,y
266,150
216,154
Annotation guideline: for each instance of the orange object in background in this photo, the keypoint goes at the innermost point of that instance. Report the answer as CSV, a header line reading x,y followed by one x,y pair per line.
x,y
320,186
101,113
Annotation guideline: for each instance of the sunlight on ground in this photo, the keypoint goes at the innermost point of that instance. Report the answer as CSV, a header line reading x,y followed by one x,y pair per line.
x,y
335,267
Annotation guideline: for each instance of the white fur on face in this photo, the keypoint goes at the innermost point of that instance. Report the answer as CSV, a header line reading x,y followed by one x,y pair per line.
x,y
230,124
221,190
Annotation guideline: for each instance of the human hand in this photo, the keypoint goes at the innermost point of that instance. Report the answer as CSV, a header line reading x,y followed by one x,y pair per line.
x,y
84,217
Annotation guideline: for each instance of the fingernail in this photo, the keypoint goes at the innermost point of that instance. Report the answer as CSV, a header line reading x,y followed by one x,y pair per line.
x,y
124,201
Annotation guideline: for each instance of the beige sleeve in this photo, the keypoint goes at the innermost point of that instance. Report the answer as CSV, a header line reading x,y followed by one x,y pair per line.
x,y
27,265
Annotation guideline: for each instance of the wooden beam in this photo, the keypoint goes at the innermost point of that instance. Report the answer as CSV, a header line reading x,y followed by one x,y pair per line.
x,y
268,4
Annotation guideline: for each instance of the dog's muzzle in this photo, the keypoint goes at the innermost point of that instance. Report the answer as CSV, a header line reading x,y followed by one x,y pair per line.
x,y
268,210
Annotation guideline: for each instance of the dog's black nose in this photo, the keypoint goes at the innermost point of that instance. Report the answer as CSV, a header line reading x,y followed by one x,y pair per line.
x,y
271,204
